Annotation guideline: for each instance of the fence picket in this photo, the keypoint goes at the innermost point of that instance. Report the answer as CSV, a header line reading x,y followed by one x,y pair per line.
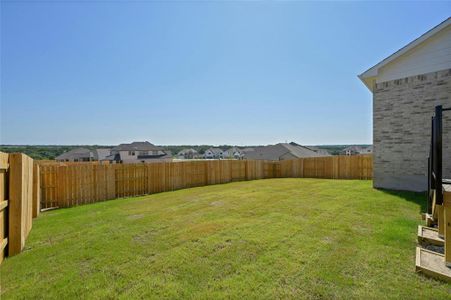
x,y
73,184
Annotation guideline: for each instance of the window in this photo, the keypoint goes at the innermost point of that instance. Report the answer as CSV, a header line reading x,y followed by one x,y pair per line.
x,y
143,153
131,153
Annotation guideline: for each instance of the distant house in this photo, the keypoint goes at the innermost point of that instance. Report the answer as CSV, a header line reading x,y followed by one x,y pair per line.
x,y
188,154
248,149
233,153
137,152
101,154
76,155
281,151
367,150
357,150
213,153
320,151
244,151
406,87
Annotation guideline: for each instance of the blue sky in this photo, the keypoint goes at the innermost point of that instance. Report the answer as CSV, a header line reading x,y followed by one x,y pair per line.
x,y
197,72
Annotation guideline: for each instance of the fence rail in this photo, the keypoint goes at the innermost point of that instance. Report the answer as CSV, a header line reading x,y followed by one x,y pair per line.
x,y
66,185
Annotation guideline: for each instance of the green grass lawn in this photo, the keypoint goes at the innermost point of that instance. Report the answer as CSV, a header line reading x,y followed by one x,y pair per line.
x,y
275,238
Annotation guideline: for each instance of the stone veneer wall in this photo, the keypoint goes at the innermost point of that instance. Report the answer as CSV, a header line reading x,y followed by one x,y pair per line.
x,y
402,111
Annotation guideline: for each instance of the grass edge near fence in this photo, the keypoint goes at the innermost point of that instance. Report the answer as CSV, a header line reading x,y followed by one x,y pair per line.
x,y
68,185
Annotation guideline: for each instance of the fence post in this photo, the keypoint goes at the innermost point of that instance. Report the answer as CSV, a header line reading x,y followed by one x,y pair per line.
x,y
335,166
36,191
60,186
111,181
276,169
4,170
20,201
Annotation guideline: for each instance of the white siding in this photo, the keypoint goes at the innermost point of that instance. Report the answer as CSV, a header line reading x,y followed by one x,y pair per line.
x,y
432,55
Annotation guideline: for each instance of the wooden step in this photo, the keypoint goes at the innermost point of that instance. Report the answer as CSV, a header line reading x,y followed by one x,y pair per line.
x,y
432,264
429,219
429,235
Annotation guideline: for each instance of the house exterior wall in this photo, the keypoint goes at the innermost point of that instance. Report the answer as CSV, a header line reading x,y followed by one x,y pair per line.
x,y
210,155
232,154
147,160
75,159
402,111
127,158
431,55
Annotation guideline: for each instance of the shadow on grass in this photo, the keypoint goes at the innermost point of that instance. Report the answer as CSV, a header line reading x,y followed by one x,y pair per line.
x,y
418,198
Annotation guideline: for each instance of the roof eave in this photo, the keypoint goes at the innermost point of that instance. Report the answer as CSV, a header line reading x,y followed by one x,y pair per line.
x,y
369,76
368,81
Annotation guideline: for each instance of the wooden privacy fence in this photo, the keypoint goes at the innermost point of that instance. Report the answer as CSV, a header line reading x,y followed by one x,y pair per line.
x,y
66,185
19,201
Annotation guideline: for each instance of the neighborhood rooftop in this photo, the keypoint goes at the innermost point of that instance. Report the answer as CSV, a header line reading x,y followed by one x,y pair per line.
x,y
77,153
281,151
137,146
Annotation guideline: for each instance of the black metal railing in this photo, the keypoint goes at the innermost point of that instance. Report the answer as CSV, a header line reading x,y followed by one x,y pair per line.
x,y
435,159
